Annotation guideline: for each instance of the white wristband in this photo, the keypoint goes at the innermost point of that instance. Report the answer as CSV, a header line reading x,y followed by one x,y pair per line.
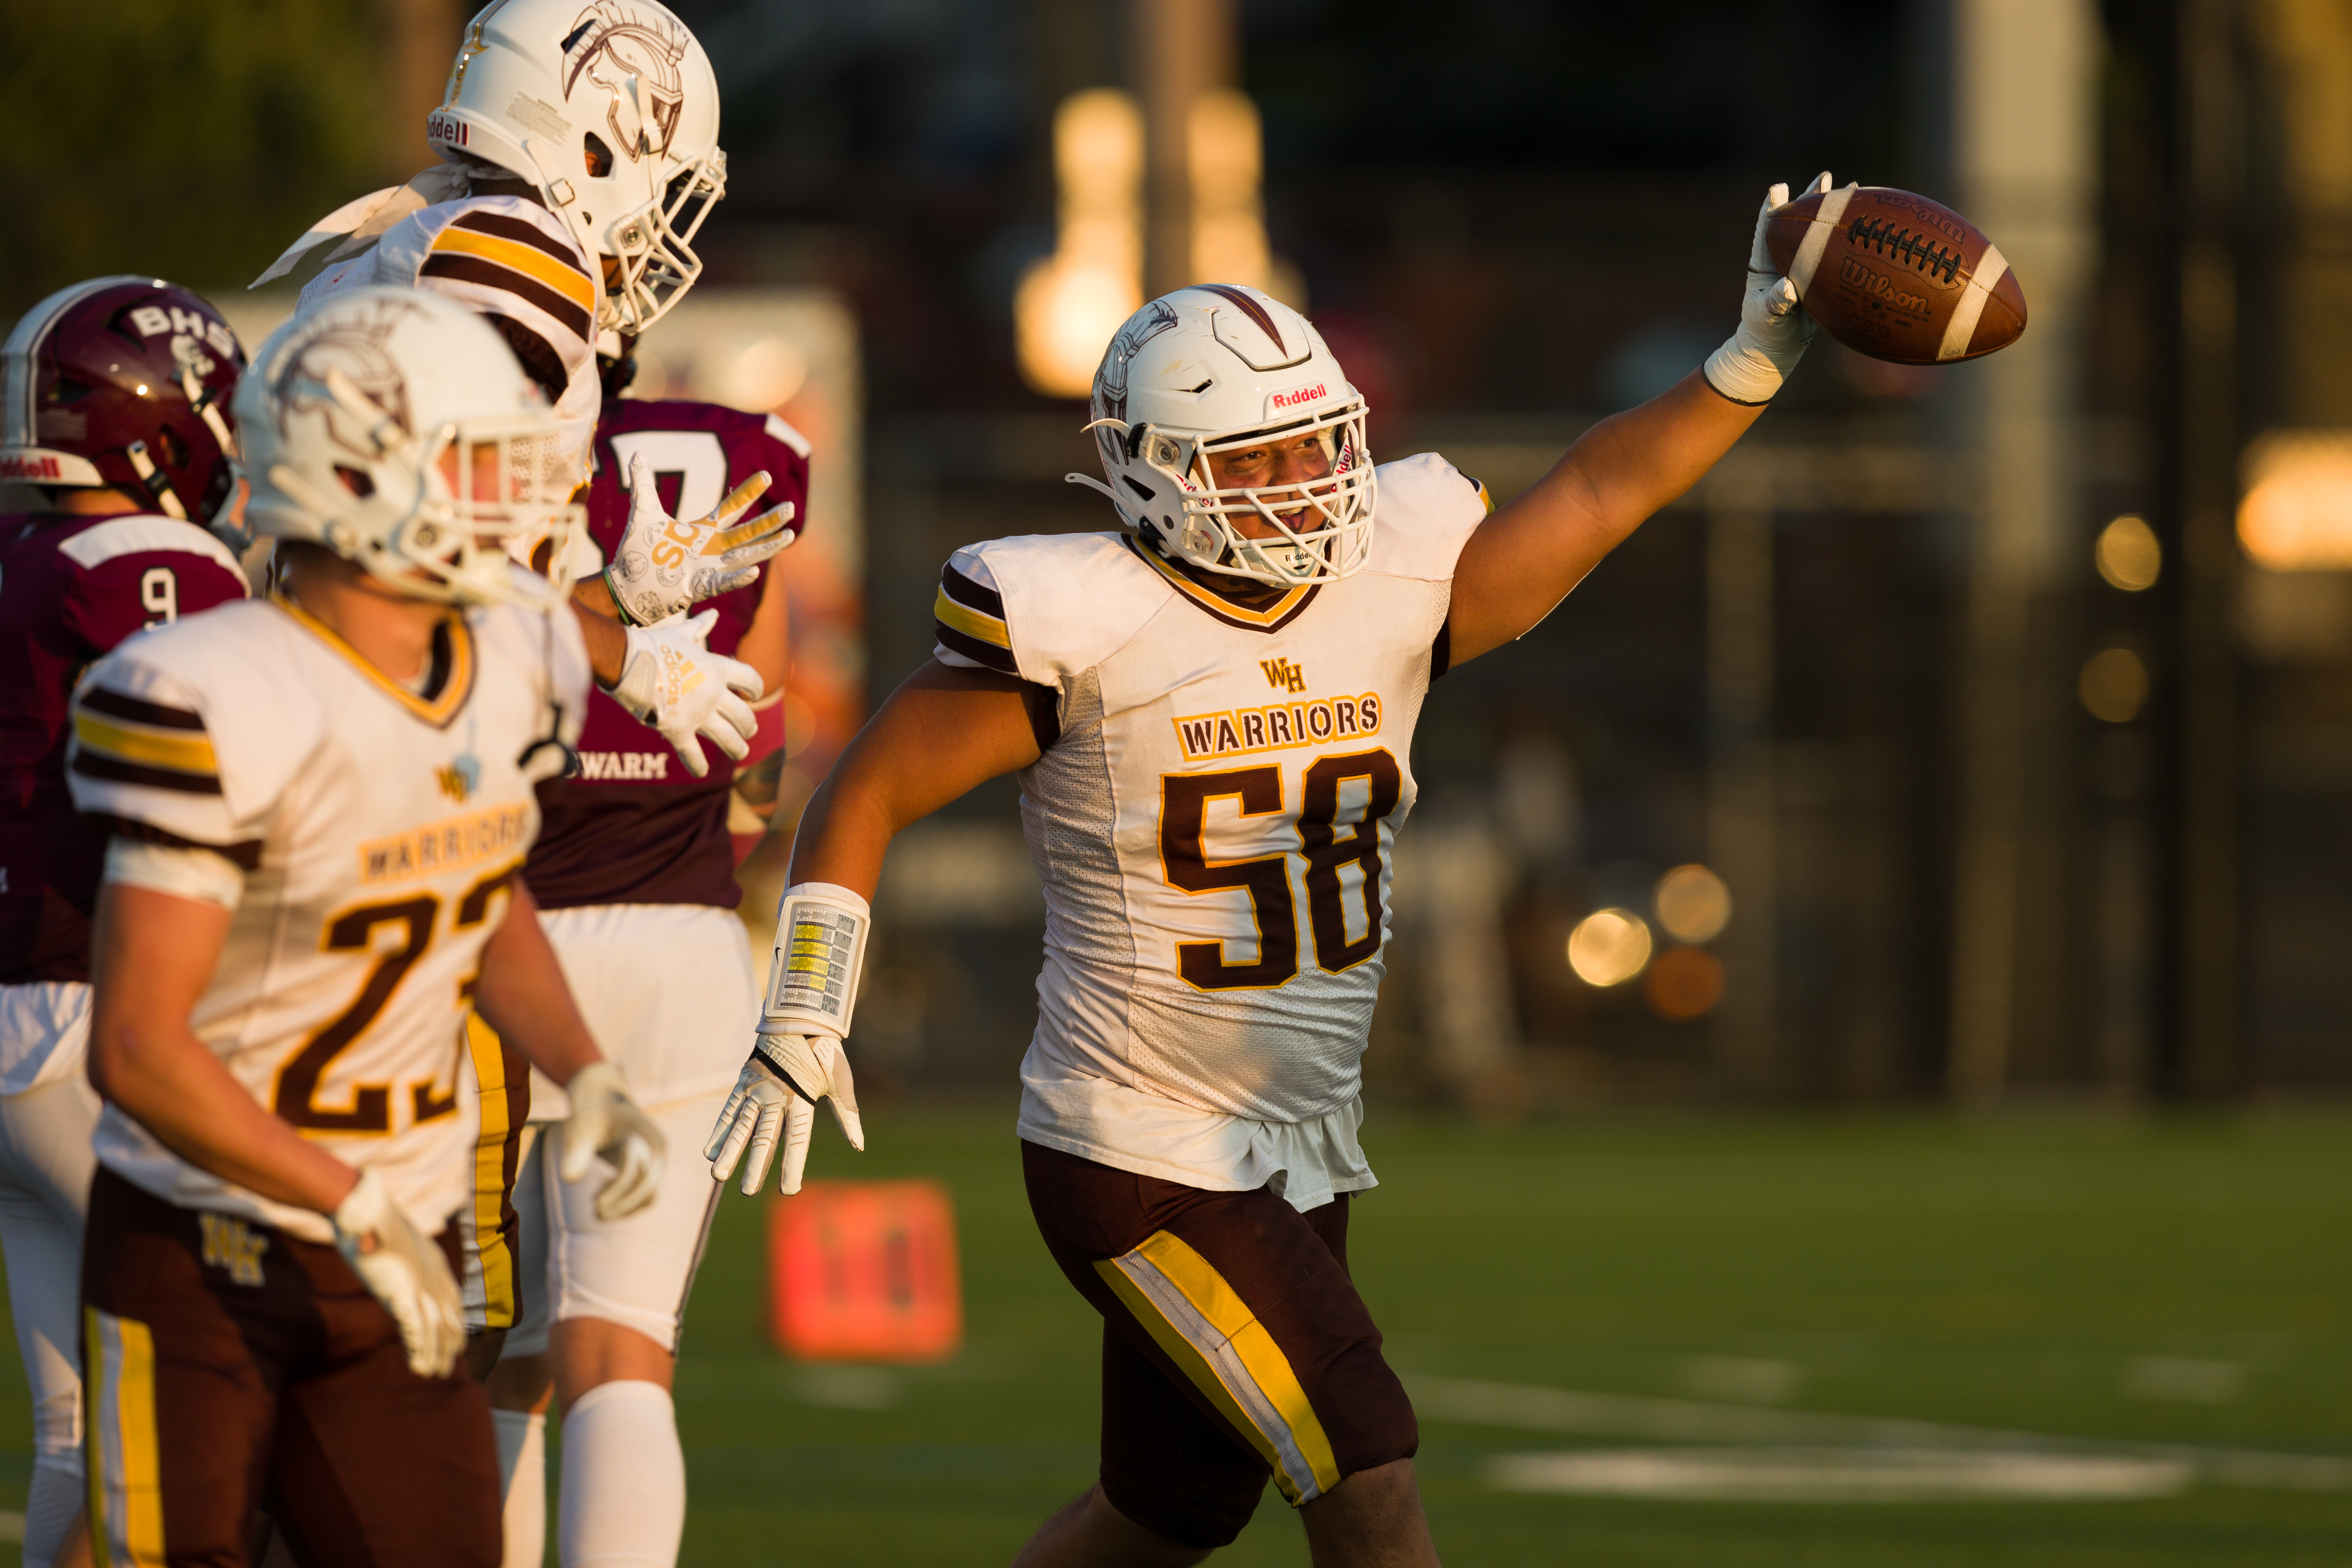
x,y
820,930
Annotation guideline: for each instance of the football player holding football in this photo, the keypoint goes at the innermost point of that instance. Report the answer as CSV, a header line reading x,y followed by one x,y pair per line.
x,y
635,858
1212,712
319,806
116,395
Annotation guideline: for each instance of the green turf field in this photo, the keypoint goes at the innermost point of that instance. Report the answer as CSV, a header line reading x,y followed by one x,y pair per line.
x,y
2144,1283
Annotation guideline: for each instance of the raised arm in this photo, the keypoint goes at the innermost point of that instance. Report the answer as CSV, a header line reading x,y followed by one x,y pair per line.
x,y
1524,560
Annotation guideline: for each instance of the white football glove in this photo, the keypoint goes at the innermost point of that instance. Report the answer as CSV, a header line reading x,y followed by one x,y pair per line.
x,y
676,685
605,1121
776,1096
664,564
405,1272
1773,327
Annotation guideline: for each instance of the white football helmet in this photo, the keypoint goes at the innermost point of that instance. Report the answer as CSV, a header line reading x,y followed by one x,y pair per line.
x,y
610,107
394,426
1212,369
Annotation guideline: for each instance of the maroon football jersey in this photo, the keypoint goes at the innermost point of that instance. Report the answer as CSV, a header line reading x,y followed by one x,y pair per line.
x,y
632,825
71,588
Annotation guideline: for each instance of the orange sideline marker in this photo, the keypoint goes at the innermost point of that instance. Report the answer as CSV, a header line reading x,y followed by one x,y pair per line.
x,y
864,1271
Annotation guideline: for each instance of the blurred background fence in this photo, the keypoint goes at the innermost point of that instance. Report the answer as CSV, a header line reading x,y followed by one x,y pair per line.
x,y
2006,710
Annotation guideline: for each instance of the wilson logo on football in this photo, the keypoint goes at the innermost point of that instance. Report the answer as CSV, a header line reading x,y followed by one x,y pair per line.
x,y
1304,394
1856,274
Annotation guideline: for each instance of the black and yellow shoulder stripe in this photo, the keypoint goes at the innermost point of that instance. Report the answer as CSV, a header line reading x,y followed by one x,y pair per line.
x,y
969,620
131,740
508,253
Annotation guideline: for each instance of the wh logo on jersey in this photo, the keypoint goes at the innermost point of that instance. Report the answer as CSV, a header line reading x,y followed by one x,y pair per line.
x,y
1282,675
1240,730
233,1244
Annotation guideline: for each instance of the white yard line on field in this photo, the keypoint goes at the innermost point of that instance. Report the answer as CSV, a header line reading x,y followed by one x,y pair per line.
x,y
1537,1409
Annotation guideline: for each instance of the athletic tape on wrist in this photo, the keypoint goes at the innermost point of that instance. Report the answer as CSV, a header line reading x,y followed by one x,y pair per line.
x,y
820,948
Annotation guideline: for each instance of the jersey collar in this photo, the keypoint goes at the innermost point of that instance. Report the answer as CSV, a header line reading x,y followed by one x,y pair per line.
x,y
453,651
1269,617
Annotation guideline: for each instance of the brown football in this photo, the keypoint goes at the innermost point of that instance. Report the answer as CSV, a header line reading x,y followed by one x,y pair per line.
x,y
1895,276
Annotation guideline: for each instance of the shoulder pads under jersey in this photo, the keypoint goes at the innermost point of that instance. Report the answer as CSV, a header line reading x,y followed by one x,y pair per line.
x,y
1428,509
195,729
1044,606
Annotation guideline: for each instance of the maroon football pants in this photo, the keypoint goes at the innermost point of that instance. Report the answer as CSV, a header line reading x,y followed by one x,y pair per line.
x,y
228,1366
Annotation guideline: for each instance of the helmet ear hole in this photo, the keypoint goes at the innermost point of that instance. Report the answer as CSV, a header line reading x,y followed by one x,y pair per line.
x,y
596,155
359,483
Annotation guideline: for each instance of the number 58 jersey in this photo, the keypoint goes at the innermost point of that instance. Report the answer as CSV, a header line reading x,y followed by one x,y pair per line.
x,y
380,830
1214,823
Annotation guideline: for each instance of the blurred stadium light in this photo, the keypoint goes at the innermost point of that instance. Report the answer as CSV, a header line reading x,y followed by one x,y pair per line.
x,y
2296,513
1070,303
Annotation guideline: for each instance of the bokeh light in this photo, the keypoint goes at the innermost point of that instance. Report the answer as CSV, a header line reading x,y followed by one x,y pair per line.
x,y
1609,947
1693,904
2114,685
1684,982
2128,554
2298,511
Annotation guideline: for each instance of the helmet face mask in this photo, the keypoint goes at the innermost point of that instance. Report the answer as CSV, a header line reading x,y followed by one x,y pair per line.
x,y
393,426
611,110
1203,376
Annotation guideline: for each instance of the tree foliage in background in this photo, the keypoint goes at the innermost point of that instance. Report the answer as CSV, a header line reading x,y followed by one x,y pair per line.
x,y
191,138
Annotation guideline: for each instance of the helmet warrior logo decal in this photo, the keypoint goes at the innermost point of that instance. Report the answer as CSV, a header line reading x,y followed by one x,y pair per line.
x,y
637,60
358,350
1111,379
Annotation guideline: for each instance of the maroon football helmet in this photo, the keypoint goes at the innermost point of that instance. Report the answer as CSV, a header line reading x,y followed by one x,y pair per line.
x,y
124,381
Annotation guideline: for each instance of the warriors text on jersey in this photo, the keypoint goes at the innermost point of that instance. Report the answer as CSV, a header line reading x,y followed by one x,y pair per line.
x,y
1212,826
379,829
632,827
70,589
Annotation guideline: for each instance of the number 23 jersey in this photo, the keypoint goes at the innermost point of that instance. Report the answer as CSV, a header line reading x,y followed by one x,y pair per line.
x,y
1214,823
380,829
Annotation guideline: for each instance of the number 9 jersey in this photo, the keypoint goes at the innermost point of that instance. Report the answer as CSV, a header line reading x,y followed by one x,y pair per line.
x,y
379,828
1212,824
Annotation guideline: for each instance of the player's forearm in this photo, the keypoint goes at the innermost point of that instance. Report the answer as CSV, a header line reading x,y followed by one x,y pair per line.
x,y
169,1083
943,733
523,994
608,643
152,956
1527,558
842,837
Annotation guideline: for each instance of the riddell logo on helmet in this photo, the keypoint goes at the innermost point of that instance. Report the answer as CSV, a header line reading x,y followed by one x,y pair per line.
x,y
446,129
16,467
1304,394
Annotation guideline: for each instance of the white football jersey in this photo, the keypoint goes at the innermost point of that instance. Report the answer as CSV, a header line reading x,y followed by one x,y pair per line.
x,y
1213,824
380,831
512,260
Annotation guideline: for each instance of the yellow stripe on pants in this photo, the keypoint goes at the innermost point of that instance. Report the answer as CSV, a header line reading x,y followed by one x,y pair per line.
x,y
126,1481
491,1244
1210,1331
